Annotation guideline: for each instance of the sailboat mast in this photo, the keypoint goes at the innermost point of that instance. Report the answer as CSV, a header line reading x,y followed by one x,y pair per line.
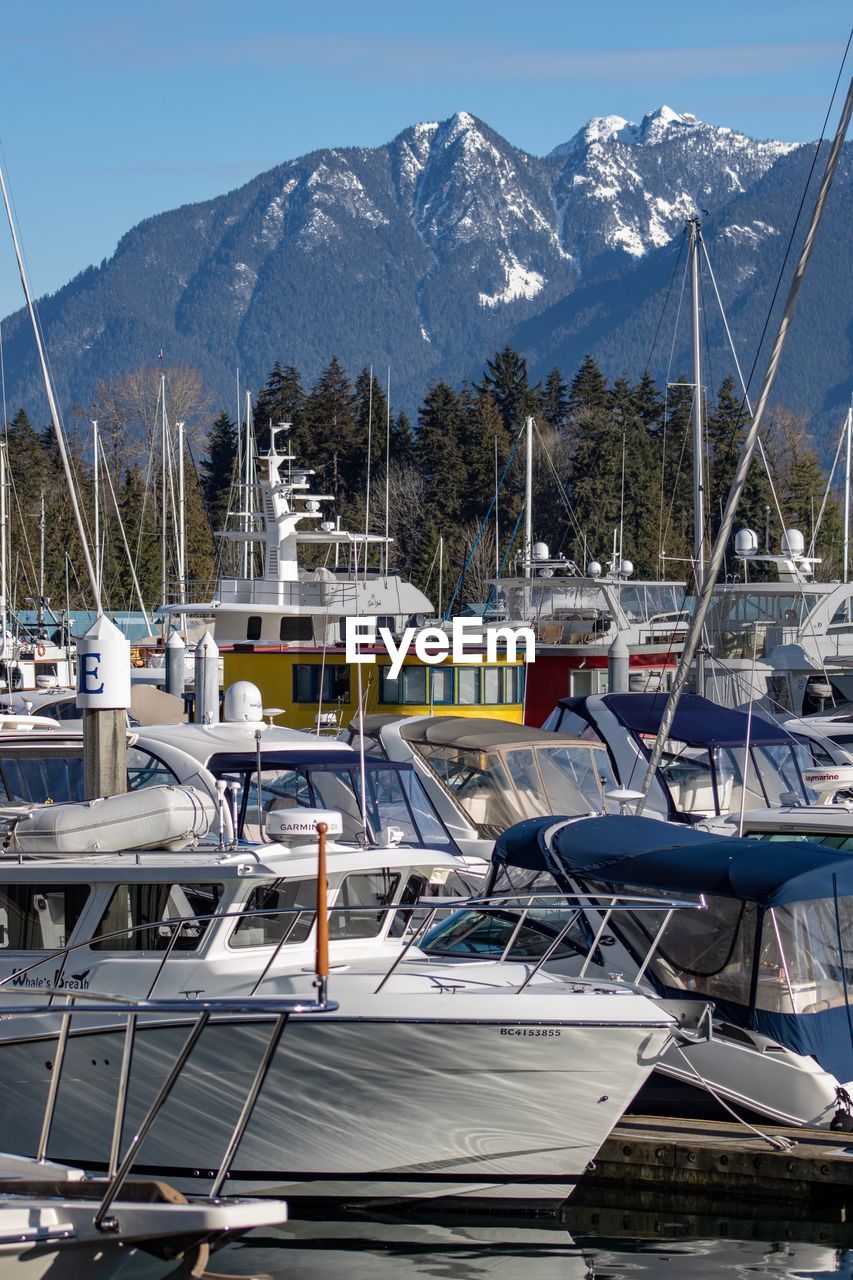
x,y
698,446
4,549
248,553
182,517
847,493
528,503
51,400
98,569
164,584
41,561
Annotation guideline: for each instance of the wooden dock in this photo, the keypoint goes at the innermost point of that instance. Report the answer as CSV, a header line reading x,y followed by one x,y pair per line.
x,y
724,1159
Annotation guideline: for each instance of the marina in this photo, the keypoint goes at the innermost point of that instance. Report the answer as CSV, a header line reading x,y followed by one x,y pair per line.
x,y
384,890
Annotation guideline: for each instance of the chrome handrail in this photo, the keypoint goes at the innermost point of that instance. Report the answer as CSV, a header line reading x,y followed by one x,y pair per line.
x,y
491,903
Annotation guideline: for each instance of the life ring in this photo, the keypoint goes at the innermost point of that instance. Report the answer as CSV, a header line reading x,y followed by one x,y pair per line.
x,y
40,650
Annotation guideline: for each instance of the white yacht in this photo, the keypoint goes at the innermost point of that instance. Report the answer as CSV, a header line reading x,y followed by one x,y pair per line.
x,y
484,775
289,602
785,644
481,1079
769,951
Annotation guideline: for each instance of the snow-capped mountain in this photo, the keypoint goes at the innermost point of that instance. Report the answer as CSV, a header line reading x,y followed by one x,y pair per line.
x,y
426,253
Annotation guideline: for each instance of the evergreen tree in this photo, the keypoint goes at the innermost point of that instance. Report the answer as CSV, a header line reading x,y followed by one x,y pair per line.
x,y
554,401
482,429
588,390
218,469
371,410
440,462
330,436
402,440
280,400
506,378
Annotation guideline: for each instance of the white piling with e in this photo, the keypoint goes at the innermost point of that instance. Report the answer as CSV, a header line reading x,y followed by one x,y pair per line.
x,y
103,695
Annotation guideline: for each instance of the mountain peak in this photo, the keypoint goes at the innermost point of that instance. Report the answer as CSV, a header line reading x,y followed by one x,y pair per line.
x,y
655,126
662,123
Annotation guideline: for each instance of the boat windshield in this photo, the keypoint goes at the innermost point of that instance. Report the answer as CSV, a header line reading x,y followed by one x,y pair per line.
x,y
44,776
708,781
803,964
739,619
395,797
498,788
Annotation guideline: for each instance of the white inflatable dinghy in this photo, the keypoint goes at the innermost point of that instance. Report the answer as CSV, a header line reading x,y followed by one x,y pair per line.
x,y
151,818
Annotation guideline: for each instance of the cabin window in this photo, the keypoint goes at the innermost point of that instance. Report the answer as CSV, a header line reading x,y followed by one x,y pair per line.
x,y
41,779
39,917
294,630
259,930
409,689
307,686
417,887
135,918
253,628
467,685
493,684
442,685
372,890
145,770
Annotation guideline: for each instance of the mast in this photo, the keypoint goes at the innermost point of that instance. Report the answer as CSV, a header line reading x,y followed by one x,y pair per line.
x,y
440,575
164,584
848,430
4,550
41,564
98,565
182,517
698,446
698,450
51,400
244,488
697,622
528,502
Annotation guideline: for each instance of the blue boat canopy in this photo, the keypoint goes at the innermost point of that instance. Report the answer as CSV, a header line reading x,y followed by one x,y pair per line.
x,y
698,722
647,853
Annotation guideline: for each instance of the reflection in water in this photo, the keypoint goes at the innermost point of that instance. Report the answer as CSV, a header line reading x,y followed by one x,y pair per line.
x,y
471,1248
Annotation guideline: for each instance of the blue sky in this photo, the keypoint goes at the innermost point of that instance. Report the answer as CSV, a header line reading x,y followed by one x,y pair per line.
x,y
112,111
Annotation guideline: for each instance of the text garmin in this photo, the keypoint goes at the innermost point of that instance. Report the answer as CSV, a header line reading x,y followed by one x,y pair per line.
x,y
433,644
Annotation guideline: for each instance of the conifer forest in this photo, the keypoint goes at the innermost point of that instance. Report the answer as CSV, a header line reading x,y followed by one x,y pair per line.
x,y
607,456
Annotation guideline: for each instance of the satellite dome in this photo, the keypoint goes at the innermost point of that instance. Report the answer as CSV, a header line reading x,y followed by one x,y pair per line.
x,y
243,704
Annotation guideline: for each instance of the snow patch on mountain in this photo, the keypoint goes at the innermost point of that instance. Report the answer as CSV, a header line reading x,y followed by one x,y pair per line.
x,y
752,234
521,282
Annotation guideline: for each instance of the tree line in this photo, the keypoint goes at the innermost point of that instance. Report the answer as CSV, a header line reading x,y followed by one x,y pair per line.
x,y
612,460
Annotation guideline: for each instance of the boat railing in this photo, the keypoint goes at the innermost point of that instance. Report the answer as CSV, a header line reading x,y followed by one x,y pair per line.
x,y
197,1013
418,917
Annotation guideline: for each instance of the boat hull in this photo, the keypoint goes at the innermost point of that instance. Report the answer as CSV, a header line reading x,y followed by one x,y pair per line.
x,y
352,1105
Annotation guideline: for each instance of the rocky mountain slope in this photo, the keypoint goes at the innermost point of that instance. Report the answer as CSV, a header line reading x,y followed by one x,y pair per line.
x,y
431,251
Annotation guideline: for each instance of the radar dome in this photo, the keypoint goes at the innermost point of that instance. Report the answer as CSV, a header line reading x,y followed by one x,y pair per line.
x,y
626,568
540,551
242,704
593,569
793,543
746,543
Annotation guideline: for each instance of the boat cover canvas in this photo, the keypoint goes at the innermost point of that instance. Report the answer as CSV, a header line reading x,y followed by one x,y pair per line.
x,y
698,722
625,852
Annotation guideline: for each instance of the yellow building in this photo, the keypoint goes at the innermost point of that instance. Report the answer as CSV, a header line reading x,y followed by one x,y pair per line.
x,y
306,683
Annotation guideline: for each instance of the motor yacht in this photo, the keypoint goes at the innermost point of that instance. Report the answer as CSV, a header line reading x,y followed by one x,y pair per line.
x,y
484,775
486,1079
706,764
769,951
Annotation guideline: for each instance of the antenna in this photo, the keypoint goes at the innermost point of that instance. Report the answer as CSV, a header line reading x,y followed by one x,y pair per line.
x,y
387,463
51,400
